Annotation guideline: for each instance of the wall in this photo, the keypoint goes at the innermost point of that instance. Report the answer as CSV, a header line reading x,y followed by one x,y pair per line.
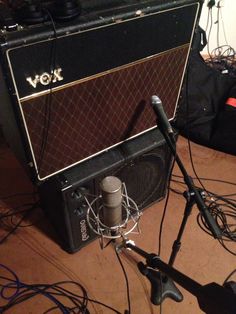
x,y
227,21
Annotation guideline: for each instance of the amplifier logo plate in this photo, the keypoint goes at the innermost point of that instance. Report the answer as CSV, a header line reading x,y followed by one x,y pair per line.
x,y
84,230
46,78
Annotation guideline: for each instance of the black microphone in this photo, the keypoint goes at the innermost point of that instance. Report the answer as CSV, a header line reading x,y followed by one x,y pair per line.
x,y
111,188
164,124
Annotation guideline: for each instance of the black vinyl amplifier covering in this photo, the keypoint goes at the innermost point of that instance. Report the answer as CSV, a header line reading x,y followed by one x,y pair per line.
x,y
84,87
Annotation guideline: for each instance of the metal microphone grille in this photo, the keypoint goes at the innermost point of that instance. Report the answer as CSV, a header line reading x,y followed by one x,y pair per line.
x,y
111,189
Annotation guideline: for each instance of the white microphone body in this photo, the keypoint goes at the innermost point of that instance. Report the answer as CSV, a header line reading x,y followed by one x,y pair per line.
x,y
111,189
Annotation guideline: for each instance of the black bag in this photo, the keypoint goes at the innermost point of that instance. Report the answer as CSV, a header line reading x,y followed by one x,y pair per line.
x,y
202,115
224,128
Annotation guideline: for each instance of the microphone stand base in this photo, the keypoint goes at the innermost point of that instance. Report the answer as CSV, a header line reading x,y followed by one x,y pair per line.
x,y
162,287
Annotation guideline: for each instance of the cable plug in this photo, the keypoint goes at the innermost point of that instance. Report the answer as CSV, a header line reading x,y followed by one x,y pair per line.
x,y
220,4
211,4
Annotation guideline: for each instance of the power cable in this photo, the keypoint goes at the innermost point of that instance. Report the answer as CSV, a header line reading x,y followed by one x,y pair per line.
x,y
126,282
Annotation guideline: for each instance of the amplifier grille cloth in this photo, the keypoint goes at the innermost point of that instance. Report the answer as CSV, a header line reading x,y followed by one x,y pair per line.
x,y
81,120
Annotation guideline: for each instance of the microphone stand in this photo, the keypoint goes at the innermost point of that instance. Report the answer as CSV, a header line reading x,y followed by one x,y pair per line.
x,y
193,195
168,134
212,298
165,287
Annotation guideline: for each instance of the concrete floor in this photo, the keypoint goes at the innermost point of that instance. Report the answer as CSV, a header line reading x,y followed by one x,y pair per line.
x,y
34,255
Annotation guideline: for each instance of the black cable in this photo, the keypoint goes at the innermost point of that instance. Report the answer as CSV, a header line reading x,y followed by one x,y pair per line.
x,y
18,224
165,207
222,213
222,59
48,102
207,179
226,248
15,211
218,24
33,207
105,305
126,282
220,197
208,18
223,210
163,217
223,27
5,197
209,32
204,227
224,197
187,115
193,167
29,291
84,304
54,292
13,229
229,276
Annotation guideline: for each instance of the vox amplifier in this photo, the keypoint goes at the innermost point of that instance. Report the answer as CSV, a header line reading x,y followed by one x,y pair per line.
x,y
75,89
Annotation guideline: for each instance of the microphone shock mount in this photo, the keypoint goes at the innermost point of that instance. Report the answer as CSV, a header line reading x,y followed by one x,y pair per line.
x,y
129,223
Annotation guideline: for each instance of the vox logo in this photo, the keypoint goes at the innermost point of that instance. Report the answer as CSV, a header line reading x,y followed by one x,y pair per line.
x,y
45,78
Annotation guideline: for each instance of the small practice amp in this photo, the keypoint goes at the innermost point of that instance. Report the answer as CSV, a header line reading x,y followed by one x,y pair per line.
x,y
143,164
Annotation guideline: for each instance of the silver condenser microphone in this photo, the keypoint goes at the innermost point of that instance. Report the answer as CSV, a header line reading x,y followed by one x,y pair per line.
x,y
111,189
112,214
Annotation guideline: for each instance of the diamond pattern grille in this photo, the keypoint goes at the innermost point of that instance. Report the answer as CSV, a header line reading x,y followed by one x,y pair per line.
x,y
79,121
